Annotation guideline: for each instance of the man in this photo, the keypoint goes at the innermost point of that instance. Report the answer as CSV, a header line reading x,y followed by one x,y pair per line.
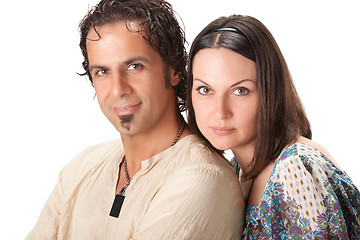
x,y
159,181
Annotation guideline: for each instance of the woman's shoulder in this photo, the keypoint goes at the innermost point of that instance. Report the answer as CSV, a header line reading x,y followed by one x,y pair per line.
x,y
305,150
306,188
296,163
313,146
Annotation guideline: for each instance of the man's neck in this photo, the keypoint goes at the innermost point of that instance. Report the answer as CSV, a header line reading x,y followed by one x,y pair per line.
x,y
157,139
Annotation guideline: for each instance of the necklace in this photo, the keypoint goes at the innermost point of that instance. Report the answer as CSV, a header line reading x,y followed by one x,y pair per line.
x,y
179,133
119,198
128,180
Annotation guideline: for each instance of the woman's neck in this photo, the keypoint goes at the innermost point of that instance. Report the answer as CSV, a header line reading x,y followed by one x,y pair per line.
x,y
244,156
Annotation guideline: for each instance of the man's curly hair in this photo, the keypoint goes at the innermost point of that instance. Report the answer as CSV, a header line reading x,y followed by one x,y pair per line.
x,y
158,26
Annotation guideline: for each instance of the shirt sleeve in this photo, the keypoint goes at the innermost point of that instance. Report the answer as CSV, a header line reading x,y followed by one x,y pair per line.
x,y
48,223
314,206
298,202
305,192
195,203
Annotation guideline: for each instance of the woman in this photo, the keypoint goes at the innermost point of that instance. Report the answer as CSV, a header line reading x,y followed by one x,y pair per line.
x,y
241,97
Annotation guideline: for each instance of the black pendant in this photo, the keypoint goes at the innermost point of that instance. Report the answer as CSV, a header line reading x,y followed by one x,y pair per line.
x,y
116,207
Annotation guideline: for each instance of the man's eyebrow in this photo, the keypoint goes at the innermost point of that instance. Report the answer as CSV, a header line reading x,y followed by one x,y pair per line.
x,y
126,62
92,67
135,59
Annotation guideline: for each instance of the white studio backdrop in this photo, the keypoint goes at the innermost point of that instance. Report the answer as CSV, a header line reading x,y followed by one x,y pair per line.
x,y
49,114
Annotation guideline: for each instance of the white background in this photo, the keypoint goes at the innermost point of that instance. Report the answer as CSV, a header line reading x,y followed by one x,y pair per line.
x,y
48,113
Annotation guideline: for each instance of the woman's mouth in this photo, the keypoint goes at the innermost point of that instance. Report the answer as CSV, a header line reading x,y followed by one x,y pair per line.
x,y
222,131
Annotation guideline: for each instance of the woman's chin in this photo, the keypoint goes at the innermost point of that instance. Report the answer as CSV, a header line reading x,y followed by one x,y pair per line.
x,y
221,145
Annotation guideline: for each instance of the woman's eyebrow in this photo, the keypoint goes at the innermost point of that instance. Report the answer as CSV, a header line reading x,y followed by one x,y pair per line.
x,y
197,79
241,81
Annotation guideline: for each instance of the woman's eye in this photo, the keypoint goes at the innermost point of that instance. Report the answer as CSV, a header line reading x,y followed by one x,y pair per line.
x,y
241,91
204,90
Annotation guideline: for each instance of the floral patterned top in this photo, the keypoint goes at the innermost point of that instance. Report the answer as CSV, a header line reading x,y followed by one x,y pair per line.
x,y
306,197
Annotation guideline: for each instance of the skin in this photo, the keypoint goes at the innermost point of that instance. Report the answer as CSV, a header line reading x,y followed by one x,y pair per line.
x,y
128,77
225,101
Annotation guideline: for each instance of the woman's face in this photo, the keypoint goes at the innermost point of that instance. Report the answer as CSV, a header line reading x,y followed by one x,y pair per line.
x,y
225,98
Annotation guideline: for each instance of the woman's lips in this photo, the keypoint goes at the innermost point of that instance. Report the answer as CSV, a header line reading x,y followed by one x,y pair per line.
x,y
222,131
126,110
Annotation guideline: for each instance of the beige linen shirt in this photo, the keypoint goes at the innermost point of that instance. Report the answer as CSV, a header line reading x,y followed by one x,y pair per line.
x,y
184,192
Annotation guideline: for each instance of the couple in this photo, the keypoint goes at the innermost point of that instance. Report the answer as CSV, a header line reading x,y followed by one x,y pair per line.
x,y
166,179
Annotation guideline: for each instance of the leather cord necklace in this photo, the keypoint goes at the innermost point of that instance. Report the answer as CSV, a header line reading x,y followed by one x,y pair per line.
x,y
119,198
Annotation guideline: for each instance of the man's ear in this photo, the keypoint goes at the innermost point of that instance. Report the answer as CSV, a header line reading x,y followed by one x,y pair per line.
x,y
174,77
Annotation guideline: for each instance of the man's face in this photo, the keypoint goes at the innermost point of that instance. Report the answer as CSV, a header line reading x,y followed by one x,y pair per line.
x,y
128,76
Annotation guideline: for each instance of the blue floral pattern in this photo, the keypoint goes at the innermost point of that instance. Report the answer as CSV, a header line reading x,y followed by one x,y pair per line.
x,y
306,197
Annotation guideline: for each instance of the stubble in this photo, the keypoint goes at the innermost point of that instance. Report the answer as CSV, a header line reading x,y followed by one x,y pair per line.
x,y
126,121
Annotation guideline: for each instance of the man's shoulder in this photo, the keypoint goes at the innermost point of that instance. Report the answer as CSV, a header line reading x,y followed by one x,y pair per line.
x,y
192,152
104,147
100,150
93,156
194,147
199,173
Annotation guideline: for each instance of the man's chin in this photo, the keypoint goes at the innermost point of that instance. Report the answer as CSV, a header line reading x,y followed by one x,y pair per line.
x,y
126,121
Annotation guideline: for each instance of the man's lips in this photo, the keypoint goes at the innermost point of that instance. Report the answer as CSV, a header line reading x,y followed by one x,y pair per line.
x,y
125,110
222,131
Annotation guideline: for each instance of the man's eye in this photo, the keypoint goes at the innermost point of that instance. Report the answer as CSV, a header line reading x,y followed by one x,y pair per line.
x,y
100,72
204,90
241,91
134,66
